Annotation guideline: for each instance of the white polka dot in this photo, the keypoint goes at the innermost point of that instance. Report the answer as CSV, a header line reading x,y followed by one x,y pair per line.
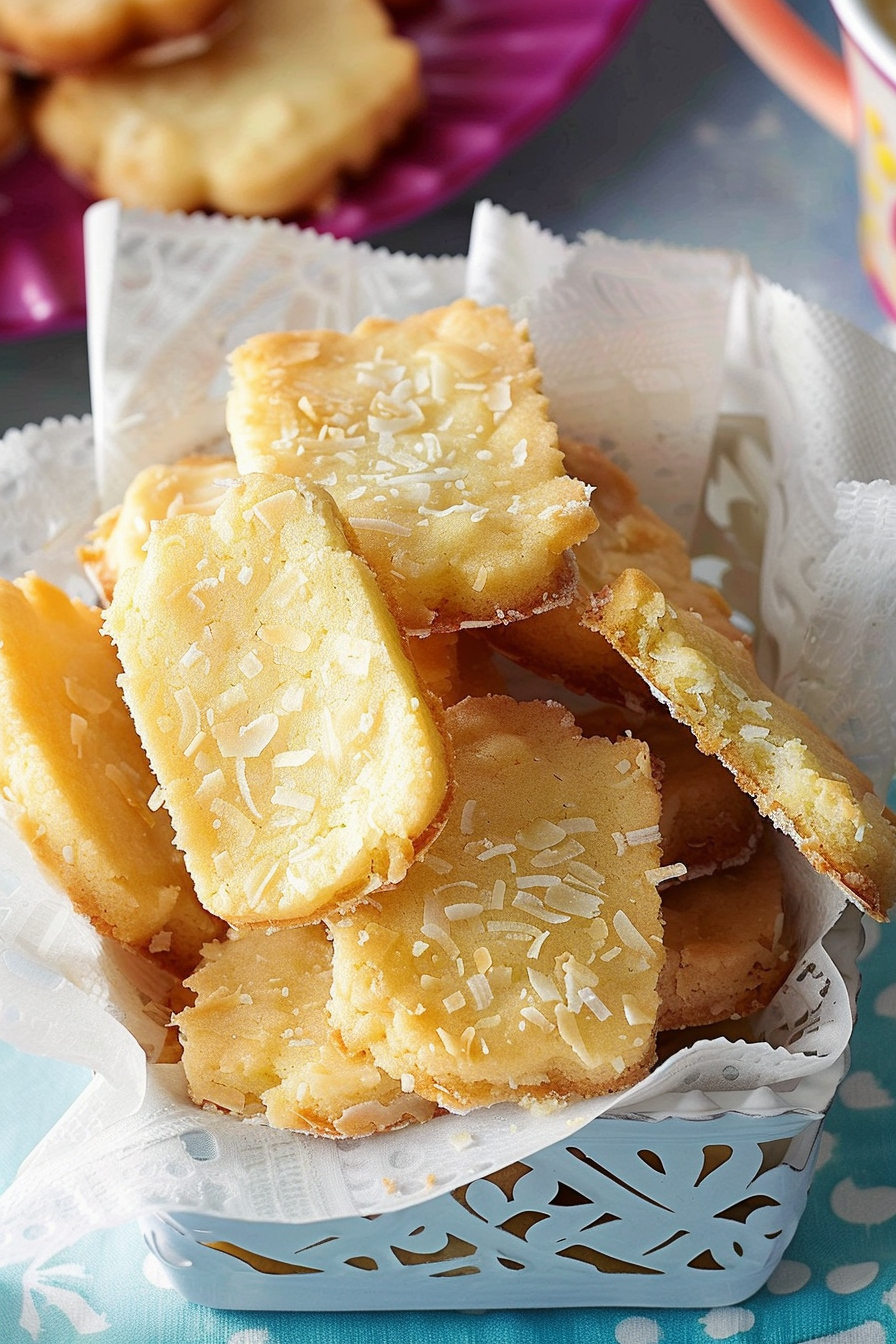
x,y
852,1278
885,1003
868,1207
725,1322
826,1147
861,1091
156,1273
248,1337
789,1277
638,1330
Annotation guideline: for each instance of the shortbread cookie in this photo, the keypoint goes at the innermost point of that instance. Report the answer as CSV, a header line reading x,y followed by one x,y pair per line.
x,y
433,437
706,822
556,644
257,1041
77,783
196,484
727,954
263,123
519,959
48,35
295,748
798,776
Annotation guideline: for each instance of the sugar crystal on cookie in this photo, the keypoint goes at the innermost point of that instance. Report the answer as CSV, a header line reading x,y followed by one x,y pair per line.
x,y
257,1041
433,437
74,772
519,959
294,745
797,775
196,484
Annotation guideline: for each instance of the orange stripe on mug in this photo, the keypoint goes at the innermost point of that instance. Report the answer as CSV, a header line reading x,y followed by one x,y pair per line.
x,y
792,55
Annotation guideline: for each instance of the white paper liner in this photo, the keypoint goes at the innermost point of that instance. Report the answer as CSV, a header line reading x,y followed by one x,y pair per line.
x,y
632,341
170,296
856,611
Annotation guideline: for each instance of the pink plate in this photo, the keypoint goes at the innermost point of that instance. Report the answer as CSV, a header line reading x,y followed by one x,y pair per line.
x,y
494,71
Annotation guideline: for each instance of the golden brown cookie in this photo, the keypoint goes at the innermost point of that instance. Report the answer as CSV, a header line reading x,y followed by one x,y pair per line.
x,y
798,776
77,783
196,484
265,122
556,644
51,35
706,821
519,959
727,953
257,1041
295,748
433,437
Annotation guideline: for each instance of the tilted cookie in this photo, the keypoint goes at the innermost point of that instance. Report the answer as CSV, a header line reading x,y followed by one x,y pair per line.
x,y
76,780
556,644
195,484
433,437
706,822
798,776
727,953
257,1041
65,34
295,748
519,959
263,123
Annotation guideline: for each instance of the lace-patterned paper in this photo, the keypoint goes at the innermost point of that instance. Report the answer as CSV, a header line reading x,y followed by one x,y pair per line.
x,y
852,628
169,296
173,295
831,420
630,342
47,488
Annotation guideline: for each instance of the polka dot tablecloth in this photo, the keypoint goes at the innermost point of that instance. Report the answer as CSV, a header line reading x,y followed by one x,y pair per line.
x,y
836,1283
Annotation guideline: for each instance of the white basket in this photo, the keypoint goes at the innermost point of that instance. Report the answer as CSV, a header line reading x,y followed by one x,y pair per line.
x,y
631,1212
690,1202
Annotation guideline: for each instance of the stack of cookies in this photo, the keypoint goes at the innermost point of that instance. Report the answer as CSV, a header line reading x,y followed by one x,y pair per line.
x,y
252,107
404,879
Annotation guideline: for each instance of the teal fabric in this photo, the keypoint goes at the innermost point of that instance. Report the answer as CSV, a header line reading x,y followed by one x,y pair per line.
x,y
837,1281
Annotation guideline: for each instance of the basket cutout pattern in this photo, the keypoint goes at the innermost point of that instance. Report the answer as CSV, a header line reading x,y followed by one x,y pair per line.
x,y
611,1216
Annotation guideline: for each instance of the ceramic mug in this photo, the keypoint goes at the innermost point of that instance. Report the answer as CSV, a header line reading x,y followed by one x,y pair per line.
x,y
854,98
